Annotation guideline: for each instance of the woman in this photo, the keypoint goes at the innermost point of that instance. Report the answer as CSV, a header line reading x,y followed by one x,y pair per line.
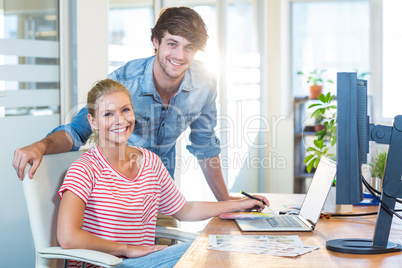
x,y
112,193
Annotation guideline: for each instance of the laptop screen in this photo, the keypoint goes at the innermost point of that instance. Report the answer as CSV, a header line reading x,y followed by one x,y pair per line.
x,y
318,190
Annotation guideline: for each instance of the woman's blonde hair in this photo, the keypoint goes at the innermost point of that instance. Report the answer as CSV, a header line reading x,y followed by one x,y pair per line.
x,y
100,89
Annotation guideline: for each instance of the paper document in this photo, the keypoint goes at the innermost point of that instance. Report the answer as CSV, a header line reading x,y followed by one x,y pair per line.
x,y
276,245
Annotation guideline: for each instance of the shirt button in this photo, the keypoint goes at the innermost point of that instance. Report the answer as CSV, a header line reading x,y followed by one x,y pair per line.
x,y
163,124
163,108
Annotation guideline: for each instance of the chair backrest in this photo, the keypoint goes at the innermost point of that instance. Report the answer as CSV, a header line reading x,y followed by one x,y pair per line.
x,y
42,199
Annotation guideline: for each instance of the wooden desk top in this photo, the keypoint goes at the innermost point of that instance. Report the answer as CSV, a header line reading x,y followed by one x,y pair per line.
x,y
336,227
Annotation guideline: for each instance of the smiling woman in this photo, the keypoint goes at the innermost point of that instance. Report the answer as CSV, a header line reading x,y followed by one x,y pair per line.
x,y
128,184
115,123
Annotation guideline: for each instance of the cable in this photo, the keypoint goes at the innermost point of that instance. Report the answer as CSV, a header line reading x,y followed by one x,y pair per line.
x,y
385,206
379,193
373,193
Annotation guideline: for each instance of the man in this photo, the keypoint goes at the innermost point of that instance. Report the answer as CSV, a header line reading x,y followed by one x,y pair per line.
x,y
170,92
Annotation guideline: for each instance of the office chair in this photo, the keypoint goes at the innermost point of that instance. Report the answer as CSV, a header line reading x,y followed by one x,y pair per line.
x,y
43,202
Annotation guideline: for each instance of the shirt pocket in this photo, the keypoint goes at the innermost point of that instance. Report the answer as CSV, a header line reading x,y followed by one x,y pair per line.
x,y
184,121
142,124
149,208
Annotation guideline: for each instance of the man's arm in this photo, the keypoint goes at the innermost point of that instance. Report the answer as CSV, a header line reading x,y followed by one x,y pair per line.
x,y
62,139
56,142
211,167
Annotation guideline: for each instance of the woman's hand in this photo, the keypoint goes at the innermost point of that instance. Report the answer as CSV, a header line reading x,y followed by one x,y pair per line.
x,y
139,251
248,204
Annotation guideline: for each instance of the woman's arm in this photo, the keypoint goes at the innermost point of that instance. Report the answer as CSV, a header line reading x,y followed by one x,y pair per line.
x,y
197,211
70,233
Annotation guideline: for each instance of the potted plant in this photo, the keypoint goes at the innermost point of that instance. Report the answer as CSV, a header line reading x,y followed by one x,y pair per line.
x,y
325,138
377,170
319,123
315,79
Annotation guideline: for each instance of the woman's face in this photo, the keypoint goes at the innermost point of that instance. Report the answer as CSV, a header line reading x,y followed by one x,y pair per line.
x,y
114,119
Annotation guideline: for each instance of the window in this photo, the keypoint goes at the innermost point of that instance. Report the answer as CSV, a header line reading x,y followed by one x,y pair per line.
x,y
129,32
392,58
331,35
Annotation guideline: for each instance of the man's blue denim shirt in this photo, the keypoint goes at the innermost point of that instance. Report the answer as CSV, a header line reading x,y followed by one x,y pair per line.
x,y
157,128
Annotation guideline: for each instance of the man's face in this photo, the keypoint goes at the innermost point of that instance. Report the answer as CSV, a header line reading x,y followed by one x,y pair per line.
x,y
175,54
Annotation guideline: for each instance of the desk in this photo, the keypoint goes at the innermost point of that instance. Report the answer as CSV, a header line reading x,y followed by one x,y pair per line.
x,y
350,227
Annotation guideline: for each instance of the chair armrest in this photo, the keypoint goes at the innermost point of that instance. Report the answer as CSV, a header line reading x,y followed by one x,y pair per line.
x,y
85,255
174,233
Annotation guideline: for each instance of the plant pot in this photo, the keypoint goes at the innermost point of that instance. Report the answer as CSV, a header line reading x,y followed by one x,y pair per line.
x,y
376,183
315,91
318,128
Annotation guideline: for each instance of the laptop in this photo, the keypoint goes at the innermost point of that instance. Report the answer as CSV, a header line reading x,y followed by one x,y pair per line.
x,y
310,210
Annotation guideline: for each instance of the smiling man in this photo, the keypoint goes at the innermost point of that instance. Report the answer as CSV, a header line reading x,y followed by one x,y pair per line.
x,y
170,92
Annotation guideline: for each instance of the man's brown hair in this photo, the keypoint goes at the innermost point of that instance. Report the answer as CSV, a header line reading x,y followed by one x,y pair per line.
x,y
184,22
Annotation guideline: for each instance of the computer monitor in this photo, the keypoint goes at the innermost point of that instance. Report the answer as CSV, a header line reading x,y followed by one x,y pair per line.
x,y
353,135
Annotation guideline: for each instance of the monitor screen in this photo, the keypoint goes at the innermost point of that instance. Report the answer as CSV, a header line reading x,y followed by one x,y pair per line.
x,y
352,137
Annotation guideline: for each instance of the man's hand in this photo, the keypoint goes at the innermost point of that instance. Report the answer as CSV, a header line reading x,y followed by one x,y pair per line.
x,y
57,142
31,154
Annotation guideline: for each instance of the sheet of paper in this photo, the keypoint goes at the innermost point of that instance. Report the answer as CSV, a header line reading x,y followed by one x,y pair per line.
x,y
287,246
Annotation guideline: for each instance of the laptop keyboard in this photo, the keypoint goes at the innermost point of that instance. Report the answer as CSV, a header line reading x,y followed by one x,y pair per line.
x,y
283,222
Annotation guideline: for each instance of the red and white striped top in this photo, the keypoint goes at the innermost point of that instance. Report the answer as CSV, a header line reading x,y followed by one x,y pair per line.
x,y
120,209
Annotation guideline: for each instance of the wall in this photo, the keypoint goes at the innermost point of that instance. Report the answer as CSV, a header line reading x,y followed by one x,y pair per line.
x,y
16,242
92,48
279,177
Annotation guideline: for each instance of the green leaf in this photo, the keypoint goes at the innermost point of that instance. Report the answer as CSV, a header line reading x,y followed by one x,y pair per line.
x,y
333,142
314,105
319,144
311,149
320,133
316,162
322,98
310,166
316,113
308,158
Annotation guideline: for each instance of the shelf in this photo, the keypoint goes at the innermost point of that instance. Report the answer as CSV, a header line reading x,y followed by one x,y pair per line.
x,y
300,106
300,176
305,133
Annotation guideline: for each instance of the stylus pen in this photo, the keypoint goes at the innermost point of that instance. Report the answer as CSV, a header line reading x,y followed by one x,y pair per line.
x,y
252,197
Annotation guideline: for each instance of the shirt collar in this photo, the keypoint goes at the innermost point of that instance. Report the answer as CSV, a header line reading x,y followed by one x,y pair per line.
x,y
148,86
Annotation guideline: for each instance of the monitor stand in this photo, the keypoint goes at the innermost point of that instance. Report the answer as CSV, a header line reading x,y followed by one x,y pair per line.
x,y
361,246
392,189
